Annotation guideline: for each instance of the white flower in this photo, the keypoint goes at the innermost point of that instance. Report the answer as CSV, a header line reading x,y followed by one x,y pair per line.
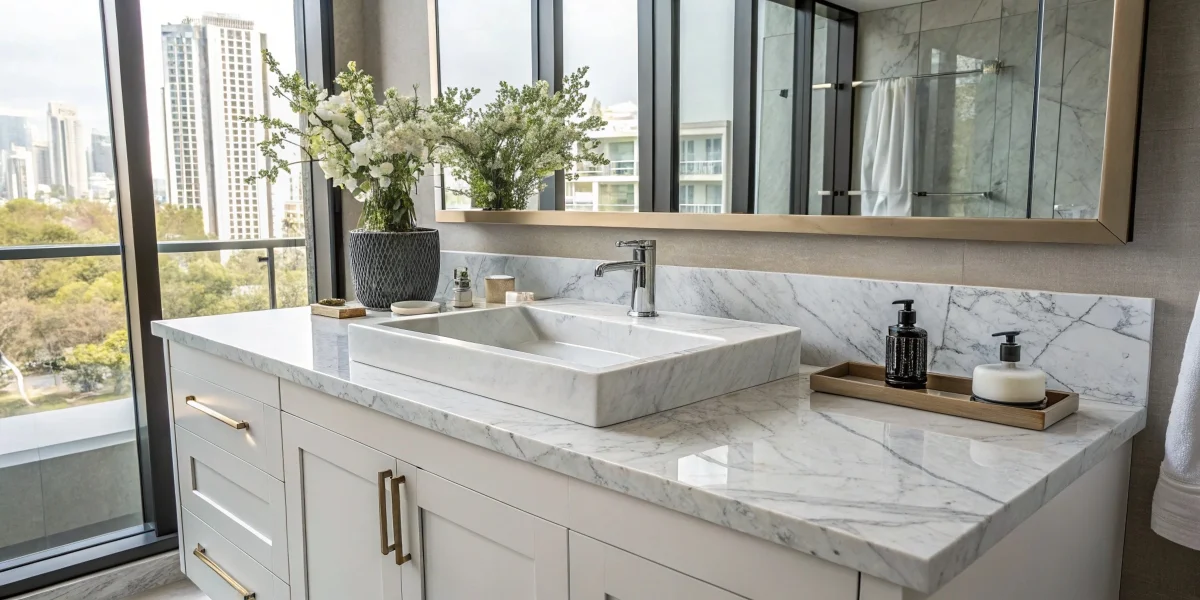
x,y
386,168
384,182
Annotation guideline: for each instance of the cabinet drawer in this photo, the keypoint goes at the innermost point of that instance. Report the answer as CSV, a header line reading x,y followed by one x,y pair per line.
x,y
227,568
243,504
226,373
238,424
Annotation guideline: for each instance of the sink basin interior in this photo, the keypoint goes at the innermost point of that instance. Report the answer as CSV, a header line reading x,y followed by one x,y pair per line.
x,y
575,339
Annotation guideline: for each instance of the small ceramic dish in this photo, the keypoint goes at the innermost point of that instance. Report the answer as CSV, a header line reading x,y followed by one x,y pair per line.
x,y
415,307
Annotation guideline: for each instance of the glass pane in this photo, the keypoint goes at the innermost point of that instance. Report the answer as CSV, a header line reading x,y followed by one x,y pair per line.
x,y
204,71
602,35
776,51
56,164
705,102
66,408
481,44
211,283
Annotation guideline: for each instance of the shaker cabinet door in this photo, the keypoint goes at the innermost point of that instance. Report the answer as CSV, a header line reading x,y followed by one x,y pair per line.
x,y
339,517
603,572
477,547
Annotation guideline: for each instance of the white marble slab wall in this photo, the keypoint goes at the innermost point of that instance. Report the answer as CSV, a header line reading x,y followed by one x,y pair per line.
x,y
948,35
1095,345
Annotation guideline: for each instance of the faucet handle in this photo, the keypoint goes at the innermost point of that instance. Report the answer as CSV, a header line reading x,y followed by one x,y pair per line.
x,y
643,244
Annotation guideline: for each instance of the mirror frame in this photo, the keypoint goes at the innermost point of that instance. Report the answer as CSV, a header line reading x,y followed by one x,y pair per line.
x,y
1118,174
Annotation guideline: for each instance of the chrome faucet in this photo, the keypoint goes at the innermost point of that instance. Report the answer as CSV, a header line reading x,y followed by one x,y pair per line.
x,y
642,265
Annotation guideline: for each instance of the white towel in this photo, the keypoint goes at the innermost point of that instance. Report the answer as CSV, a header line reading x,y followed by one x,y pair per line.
x,y
886,173
1176,511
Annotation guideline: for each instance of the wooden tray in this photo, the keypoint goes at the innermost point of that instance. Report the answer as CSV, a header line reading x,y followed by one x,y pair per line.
x,y
945,394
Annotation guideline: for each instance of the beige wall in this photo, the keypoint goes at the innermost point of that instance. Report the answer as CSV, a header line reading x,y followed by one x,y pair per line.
x,y
1163,262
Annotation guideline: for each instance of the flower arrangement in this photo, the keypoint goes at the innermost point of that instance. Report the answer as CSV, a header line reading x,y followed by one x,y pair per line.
x,y
375,150
504,151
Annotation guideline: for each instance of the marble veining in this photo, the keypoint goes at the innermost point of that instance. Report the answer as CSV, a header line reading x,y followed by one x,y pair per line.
x,y
1093,344
907,496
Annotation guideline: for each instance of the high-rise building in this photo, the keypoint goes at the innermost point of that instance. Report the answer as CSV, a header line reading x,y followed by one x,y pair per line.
x,y
14,131
69,142
41,164
20,170
214,76
100,158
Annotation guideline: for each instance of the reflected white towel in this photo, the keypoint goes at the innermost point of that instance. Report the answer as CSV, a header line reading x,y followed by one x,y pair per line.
x,y
1176,511
888,147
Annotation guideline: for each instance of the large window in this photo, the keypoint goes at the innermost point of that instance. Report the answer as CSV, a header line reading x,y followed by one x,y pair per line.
x,y
204,68
66,413
85,465
705,103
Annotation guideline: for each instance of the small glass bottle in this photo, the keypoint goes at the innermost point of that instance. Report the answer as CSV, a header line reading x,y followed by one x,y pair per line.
x,y
463,298
907,351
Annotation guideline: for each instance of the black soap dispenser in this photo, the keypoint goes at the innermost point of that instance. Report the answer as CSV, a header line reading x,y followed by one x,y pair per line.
x,y
907,349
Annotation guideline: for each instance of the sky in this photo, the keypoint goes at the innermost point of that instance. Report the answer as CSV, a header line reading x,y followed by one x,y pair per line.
x,y
53,51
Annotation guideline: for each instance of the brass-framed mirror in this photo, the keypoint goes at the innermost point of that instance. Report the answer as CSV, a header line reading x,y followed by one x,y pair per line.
x,y
1008,120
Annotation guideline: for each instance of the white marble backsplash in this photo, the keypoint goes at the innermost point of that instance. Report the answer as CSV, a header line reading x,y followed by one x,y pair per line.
x,y
1096,345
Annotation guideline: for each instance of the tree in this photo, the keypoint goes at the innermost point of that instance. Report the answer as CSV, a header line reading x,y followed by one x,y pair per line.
x,y
89,365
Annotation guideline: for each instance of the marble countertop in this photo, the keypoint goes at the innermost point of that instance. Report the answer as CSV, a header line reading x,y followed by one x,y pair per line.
x,y
907,496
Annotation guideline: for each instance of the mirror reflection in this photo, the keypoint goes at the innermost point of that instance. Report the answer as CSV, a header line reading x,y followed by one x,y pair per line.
x,y
944,108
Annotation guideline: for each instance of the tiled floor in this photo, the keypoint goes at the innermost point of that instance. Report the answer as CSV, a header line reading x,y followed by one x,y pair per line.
x,y
180,590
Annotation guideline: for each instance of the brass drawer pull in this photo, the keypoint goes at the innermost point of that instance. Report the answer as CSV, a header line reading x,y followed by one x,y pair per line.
x,y
397,528
384,547
191,401
201,554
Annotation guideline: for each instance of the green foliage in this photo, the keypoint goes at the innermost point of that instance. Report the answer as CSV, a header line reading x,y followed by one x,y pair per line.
x,y
505,150
68,314
90,365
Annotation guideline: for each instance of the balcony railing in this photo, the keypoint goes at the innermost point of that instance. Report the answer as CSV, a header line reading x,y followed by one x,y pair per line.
x,y
708,209
699,167
616,167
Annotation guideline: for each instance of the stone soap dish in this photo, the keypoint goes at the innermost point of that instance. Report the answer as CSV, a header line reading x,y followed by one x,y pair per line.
x,y
945,394
415,307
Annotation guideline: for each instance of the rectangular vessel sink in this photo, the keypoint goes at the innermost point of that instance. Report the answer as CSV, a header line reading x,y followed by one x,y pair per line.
x,y
587,362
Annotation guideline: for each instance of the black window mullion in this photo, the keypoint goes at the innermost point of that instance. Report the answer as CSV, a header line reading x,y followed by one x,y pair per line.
x,y
802,81
646,89
548,65
745,98
665,115
841,162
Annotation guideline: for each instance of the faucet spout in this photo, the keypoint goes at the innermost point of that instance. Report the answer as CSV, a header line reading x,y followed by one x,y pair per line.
x,y
623,265
641,299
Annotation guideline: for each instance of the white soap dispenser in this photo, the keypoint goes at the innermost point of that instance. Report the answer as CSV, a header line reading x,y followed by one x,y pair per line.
x,y
1007,382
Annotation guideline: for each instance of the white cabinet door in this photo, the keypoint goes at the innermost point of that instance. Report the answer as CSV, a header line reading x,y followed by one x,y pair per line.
x,y
603,572
476,547
339,517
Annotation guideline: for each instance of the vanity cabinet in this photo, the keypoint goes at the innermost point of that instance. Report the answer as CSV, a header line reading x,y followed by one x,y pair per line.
x,y
603,572
368,526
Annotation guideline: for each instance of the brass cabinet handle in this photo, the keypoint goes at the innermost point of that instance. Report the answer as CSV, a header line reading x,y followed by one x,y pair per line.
x,y
384,547
201,554
191,401
397,528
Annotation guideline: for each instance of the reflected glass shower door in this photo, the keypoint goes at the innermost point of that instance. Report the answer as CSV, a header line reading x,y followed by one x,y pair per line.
x,y
955,137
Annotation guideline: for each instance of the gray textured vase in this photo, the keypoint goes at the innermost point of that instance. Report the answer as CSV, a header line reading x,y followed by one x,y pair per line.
x,y
391,267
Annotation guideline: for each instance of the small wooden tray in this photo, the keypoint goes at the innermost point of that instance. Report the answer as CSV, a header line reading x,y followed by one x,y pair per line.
x,y
338,312
944,394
